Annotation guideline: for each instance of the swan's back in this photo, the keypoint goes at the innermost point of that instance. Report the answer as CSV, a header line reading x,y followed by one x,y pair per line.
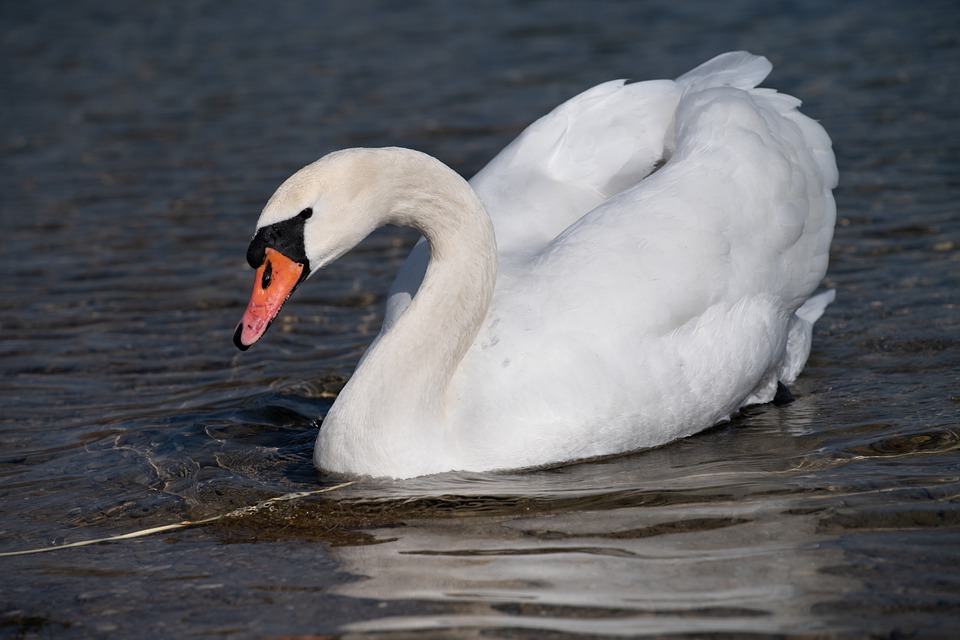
x,y
671,303
743,207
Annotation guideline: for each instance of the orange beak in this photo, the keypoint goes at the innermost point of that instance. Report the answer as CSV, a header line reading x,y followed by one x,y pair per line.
x,y
276,279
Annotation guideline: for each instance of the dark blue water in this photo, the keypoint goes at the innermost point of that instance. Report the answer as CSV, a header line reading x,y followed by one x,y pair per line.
x,y
137,148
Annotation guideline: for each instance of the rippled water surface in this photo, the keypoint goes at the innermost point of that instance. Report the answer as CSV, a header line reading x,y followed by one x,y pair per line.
x,y
138,146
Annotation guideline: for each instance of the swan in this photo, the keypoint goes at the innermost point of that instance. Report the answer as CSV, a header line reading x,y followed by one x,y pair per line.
x,y
635,267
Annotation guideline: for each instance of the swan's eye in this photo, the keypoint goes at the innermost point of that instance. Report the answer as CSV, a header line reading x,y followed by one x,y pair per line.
x,y
267,275
306,213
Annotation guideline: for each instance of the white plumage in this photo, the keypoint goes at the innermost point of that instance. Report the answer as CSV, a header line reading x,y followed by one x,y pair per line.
x,y
636,266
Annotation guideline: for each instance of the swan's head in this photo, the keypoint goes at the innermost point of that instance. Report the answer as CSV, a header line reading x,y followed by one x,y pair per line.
x,y
317,215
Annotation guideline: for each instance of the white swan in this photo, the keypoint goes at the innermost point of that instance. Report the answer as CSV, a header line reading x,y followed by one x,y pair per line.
x,y
580,299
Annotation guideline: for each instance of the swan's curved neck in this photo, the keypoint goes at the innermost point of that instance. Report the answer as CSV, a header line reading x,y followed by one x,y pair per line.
x,y
395,401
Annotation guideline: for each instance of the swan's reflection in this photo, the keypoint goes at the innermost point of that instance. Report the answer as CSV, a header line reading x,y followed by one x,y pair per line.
x,y
691,547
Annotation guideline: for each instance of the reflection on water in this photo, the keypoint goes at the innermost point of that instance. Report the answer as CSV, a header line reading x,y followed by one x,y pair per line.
x,y
606,572
138,148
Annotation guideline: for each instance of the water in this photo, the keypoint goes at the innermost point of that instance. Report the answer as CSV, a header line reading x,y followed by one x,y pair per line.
x,y
137,148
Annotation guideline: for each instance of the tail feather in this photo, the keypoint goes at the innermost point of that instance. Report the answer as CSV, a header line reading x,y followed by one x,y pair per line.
x,y
801,335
